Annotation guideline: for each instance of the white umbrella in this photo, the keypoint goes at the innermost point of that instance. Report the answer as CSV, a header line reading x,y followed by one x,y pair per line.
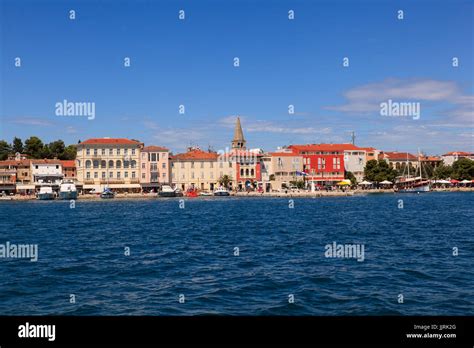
x,y
442,182
386,182
466,181
365,183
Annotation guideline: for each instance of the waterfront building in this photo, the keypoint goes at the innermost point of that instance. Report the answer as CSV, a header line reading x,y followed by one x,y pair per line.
x,y
46,171
155,168
322,163
433,161
399,160
245,164
69,170
282,168
451,157
109,162
196,169
7,178
355,159
371,153
20,168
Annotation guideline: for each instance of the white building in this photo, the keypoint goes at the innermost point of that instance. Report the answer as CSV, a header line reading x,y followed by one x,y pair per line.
x,y
46,171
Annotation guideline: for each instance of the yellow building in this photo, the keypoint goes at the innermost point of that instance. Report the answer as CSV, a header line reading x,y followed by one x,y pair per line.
x,y
198,169
111,162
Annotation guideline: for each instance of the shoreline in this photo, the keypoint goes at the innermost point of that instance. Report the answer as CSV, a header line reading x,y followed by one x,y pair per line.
x,y
303,194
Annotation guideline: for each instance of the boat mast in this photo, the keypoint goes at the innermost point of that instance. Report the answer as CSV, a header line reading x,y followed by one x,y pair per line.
x,y
408,166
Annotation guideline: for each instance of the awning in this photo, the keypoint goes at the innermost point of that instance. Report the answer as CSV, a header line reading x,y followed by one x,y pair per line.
x,y
124,186
365,183
9,187
386,182
25,187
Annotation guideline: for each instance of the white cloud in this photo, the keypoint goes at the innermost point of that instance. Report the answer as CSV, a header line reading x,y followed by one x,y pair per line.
x,y
367,98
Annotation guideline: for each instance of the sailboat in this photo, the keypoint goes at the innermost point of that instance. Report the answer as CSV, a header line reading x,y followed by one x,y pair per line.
x,y
412,184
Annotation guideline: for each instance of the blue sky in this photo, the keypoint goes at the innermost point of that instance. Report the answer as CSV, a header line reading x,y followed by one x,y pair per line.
x,y
282,62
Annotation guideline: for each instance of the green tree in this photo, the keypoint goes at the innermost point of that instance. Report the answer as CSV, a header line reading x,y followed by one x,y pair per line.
x,y
351,177
442,172
69,153
56,148
17,145
5,150
298,183
224,180
379,171
34,147
463,169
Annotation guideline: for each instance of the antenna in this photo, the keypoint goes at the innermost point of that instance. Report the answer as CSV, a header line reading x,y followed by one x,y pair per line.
x,y
353,137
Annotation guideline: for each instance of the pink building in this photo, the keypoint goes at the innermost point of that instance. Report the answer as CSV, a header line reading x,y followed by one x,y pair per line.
x,y
155,168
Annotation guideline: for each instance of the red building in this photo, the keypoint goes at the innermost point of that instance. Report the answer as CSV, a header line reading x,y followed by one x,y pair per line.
x,y
323,163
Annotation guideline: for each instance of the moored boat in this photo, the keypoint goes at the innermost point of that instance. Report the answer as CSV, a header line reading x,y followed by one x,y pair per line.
x,y
221,191
191,192
107,193
67,190
45,193
167,191
408,184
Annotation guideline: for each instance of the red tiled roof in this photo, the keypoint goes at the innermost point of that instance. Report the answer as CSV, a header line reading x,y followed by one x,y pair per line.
x,y
430,158
398,156
368,148
121,141
283,154
45,161
195,155
68,163
324,147
457,153
26,162
153,148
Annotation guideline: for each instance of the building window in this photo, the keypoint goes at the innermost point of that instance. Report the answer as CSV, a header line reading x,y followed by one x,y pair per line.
x,y
126,164
103,175
111,164
103,152
163,175
134,164
143,175
88,175
88,164
247,172
153,157
241,172
95,152
125,174
88,151
143,165
111,174
133,175
163,165
125,152
252,172
118,175
118,152
133,151
118,164
96,175
96,164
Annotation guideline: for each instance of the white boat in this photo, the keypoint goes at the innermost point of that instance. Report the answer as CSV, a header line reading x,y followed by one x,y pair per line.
x,y
167,191
408,184
45,193
67,190
107,193
221,191
205,193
